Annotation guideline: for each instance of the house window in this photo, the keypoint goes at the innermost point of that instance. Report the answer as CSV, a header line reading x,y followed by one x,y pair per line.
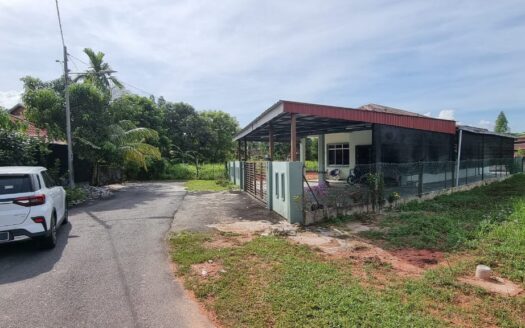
x,y
339,154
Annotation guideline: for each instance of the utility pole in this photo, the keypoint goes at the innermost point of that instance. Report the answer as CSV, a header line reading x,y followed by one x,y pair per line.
x,y
68,124
68,112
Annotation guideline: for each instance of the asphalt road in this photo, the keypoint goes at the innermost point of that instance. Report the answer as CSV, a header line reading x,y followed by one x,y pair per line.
x,y
110,268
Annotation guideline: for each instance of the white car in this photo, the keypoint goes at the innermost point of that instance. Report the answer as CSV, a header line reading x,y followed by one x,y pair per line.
x,y
31,205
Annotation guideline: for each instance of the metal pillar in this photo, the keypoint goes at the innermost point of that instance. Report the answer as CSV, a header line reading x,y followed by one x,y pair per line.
x,y
270,141
320,157
239,156
293,138
245,149
458,160
302,150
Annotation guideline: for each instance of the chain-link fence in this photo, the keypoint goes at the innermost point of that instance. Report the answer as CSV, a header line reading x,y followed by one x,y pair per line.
x,y
416,179
377,185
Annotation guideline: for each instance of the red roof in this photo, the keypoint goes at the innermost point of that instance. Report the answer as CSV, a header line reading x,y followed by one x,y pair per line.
x,y
374,114
32,130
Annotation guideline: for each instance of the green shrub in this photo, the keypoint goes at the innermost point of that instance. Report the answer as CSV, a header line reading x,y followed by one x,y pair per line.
x,y
311,166
75,196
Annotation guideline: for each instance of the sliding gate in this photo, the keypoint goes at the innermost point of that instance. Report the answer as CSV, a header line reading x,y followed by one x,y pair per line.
x,y
255,180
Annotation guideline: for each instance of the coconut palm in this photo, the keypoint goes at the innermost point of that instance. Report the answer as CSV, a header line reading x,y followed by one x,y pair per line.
x,y
99,72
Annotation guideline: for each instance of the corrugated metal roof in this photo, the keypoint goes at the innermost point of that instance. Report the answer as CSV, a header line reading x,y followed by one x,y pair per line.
x,y
390,110
477,130
374,114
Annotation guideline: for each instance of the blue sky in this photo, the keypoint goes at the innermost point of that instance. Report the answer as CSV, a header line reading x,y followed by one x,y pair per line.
x,y
453,59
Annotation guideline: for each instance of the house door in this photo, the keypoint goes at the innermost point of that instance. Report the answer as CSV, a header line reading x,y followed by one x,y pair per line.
x,y
363,155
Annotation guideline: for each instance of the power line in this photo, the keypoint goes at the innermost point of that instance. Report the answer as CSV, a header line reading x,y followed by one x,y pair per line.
x,y
60,24
137,88
76,67
80,60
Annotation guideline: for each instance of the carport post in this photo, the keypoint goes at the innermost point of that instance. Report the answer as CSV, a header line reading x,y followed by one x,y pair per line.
x,y
320,157
293,138
245,150
302,150
239,150
270,141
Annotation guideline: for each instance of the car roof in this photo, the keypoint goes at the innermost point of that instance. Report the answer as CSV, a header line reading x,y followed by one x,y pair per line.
x,y
21,169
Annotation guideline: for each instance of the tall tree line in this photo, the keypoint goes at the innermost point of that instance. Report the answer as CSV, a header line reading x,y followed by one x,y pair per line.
x,y
131,131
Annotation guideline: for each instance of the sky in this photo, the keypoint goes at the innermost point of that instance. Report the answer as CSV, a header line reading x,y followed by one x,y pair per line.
x,y
462,60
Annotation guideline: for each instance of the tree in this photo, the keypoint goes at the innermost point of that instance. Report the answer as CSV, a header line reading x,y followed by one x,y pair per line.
x,y
222,129
502,125
99,72
129,143
16,148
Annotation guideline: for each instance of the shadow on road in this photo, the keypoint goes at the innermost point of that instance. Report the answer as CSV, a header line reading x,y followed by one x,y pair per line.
x,y
23,260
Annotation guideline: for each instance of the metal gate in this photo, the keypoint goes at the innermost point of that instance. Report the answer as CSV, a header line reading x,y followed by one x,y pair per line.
x,y
255,180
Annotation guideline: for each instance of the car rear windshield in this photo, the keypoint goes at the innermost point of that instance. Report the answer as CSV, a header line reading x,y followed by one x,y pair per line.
x,y
14,184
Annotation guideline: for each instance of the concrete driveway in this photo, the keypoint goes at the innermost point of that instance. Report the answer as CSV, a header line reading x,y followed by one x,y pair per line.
x,y
110,268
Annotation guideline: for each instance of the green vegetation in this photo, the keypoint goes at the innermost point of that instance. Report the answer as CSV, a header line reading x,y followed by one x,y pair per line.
x,y
270,282
502,124
503,244
145,137
311,166
451,222
208,185
16,148
75,196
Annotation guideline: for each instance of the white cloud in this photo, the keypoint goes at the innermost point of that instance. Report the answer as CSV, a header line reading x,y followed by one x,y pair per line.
x,y
429,114
489,125
446,114
241,56
9,98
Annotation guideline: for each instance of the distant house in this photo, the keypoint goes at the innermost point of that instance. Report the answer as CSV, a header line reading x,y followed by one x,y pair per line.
x,y
58,148
17,113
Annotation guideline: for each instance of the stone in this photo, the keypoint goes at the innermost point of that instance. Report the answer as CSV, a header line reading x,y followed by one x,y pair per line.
x,y
483,272
204,273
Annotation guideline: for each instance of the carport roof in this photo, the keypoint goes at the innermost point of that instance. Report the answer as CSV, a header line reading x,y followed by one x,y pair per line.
x,y
313,119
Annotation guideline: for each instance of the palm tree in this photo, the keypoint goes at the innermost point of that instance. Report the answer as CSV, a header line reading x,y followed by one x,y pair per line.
x,y
99,72
129,143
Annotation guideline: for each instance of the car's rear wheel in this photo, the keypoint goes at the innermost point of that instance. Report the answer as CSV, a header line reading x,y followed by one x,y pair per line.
x,y
50,241
66,216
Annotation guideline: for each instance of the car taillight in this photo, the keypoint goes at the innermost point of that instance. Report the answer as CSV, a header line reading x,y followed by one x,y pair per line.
x,y
39,219
30,201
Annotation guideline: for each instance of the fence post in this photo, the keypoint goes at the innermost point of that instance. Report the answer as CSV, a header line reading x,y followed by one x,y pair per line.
x,y
420,180
482,169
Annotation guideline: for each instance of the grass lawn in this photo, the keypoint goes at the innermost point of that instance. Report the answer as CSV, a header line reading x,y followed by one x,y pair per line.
x,y
208,185
269,281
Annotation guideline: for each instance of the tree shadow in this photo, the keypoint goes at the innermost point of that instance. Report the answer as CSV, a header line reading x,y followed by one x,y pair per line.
x,y
23,260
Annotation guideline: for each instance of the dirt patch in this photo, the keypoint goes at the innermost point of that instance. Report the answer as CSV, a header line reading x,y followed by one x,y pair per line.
x,y
423,258
495,285
261,227
208,269
356,251
219,242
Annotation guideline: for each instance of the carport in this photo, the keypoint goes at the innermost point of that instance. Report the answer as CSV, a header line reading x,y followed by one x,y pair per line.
x,y
288,121
371,134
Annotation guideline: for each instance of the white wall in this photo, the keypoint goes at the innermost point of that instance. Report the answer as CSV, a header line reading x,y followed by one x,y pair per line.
x,y
357,138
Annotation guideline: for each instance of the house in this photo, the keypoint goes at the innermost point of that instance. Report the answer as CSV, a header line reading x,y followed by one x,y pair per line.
x,y
58,148
17,113
414,153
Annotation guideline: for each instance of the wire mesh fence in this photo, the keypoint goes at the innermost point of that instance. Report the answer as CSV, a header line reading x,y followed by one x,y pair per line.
x,y
401,180
416,179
